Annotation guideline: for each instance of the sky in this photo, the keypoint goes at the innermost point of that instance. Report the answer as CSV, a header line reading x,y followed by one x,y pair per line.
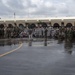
x,y
36,8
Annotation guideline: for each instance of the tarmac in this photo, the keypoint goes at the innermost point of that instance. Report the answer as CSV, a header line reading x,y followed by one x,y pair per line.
x,y
57,58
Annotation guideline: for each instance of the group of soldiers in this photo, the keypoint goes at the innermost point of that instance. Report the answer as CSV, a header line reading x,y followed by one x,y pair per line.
x,y
50,32
44,32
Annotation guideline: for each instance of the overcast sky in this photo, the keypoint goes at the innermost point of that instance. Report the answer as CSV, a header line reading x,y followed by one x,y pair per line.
x,y
37,8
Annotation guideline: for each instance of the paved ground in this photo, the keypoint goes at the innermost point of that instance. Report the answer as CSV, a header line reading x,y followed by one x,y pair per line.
x,y
58,58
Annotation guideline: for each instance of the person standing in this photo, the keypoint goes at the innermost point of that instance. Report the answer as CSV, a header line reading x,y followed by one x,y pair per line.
x,y
45,36
30,33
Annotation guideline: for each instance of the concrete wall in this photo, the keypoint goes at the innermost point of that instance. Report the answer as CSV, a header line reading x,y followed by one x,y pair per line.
x,y
66,21
20,22
2,22
9,22
53,21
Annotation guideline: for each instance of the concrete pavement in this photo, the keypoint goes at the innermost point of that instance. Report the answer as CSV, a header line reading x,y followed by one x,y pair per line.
x,y
38,59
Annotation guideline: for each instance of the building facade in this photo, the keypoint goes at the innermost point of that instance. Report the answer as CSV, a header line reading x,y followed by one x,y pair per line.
x,y
10,27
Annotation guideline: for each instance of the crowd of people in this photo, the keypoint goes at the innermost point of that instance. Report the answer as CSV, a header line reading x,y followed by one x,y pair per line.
x,y
41,32
57,33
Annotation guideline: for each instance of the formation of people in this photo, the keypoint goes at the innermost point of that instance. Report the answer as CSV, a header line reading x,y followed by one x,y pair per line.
x,y
56,33
41,32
